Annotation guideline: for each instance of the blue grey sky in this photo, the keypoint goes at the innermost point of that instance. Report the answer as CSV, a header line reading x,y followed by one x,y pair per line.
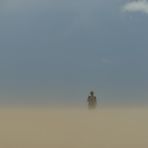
x,y
59,50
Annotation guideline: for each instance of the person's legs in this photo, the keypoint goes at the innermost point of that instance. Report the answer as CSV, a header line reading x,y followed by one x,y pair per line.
x,y
91,106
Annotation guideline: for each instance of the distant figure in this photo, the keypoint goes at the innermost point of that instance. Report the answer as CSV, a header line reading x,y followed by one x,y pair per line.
x,y
92,101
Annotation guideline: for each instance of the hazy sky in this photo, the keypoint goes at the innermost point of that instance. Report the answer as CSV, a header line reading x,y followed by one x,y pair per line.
x,y
58,50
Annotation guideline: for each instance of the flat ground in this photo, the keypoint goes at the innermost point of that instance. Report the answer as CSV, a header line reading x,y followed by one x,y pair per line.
x,y
45,127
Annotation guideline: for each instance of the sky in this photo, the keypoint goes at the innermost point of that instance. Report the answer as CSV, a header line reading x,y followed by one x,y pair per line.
x,y
59,50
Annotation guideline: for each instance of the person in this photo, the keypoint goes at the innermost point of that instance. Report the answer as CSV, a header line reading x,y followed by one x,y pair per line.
x,y
92,101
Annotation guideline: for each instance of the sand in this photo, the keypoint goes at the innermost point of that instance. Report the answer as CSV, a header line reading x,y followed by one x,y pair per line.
x,y
46,127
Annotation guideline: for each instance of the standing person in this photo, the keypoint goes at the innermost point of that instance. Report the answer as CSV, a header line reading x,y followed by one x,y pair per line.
x,y
92,101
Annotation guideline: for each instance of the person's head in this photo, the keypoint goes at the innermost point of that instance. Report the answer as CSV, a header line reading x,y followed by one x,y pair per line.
x,y
91,93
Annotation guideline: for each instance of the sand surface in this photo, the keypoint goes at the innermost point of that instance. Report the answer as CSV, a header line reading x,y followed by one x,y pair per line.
x,y
45,127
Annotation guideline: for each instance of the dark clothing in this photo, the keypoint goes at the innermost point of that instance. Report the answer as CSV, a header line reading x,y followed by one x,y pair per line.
x,y
92,102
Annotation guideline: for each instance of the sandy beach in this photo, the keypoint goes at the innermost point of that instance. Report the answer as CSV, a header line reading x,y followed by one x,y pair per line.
x,y
46,127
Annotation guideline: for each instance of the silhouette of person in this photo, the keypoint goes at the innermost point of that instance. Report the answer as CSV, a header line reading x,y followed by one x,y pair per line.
x,y
92,101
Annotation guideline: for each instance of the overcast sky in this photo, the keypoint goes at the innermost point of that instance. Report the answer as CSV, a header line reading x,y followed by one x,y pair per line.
x,y
59,50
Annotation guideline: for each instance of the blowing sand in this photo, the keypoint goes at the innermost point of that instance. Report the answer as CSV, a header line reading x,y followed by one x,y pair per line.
x,y
45,127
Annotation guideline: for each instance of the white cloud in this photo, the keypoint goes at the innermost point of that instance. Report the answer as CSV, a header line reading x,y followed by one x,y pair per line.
x,y
136,6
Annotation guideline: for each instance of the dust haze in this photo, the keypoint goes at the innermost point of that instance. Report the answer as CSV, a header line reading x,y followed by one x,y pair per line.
x,y
73,127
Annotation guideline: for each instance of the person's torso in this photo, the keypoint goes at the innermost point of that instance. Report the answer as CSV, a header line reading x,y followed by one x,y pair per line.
x,y
92,99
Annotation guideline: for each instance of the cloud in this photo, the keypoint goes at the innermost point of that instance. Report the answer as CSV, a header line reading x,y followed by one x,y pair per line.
x,y
136,6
